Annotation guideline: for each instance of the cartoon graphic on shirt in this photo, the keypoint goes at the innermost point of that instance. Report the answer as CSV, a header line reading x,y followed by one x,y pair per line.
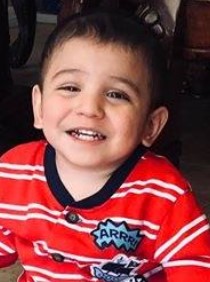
x,y
120,268
117,234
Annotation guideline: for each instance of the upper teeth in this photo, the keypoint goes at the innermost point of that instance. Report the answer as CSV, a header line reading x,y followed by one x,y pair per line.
x,y
87,134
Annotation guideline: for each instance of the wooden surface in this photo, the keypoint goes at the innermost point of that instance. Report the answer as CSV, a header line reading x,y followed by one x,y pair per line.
x,y
10,274
192,36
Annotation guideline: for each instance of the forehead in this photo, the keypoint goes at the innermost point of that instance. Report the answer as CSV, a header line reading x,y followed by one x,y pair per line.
x,y
112,53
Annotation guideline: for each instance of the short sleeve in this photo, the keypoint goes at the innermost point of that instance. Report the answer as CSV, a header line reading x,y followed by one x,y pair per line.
x,y
183,245
8,254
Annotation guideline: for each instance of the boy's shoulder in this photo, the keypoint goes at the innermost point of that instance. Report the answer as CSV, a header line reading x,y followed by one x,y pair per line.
x,y
153,166
25,153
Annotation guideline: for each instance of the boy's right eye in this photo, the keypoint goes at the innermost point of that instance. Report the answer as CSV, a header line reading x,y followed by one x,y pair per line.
x,y
69,88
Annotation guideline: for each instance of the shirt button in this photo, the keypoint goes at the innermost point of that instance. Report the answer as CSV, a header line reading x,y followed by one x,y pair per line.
x,y
57,257
72,217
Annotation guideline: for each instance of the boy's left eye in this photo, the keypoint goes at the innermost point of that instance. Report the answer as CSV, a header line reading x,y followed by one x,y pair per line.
x,y
118,95
69,88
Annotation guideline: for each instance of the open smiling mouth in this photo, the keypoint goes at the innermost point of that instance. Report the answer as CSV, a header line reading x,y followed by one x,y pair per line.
x,y
86,135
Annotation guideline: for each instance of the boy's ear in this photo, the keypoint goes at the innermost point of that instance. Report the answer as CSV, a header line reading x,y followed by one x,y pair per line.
x,y
155,124
37,106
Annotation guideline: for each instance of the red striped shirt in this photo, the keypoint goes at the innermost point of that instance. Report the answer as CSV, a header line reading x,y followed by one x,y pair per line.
x,y
150,225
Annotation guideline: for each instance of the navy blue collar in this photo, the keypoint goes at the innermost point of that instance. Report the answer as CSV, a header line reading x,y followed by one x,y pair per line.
x,y
113,183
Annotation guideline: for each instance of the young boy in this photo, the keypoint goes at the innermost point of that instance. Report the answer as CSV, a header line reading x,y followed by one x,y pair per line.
x,y
91,203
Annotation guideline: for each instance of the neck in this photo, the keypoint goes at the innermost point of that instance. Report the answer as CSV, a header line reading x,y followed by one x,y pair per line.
x,y
82,182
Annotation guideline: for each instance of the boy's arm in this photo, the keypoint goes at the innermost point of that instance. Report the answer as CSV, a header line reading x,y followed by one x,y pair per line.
x,y
183,244
8,255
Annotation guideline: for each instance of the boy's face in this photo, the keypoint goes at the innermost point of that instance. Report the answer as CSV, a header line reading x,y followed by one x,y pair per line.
x,y
94,109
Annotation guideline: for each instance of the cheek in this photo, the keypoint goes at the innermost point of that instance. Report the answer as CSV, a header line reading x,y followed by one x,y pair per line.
x,y
134,126
127,124
52,111
54,106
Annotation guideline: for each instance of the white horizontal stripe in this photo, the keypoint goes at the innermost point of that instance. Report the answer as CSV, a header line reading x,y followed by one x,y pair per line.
x,y
56,275
183,230
131,221
158,182
27,216
136,222
22,167
185,242
39,279
88,230
6,248
4,231
75,226
22,176
149,235
88,221
70,256
128,221
144,191
153,271
186,263
28,207
45,217
63,222
38,251
7,232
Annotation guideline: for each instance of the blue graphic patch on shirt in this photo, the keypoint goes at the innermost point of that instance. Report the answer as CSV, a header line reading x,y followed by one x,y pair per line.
x,y
118,234
120,268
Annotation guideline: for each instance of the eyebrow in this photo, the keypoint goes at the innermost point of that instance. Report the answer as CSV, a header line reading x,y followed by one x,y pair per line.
x,y
127,81
124,80
67,71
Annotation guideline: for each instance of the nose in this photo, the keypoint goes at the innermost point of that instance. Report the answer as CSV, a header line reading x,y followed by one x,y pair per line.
x,y
91,106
